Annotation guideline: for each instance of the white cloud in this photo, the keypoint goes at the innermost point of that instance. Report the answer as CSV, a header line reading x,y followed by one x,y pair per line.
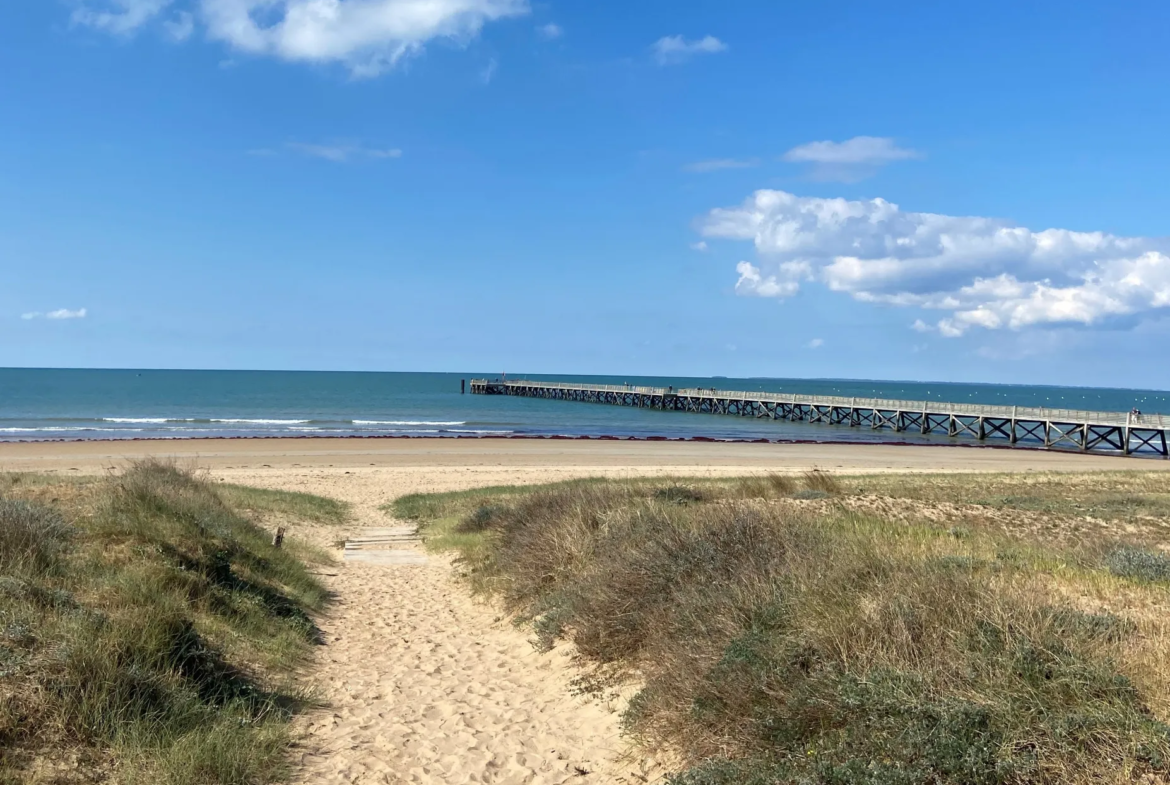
x,y
337,153
816,343
719,164
550,31
368,36
119,17
699,246
60,313
488,72
858,150
984,273
674,49
752,283
181,27
850,160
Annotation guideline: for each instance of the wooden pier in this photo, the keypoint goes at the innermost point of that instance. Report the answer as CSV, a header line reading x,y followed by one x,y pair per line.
x,y
1087,431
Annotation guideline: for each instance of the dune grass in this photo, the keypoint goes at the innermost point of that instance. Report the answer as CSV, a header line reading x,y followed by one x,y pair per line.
x,y
779,634
148,631
303,506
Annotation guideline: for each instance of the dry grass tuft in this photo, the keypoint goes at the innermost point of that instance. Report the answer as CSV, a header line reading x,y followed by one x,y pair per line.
x,y
779,642
821,481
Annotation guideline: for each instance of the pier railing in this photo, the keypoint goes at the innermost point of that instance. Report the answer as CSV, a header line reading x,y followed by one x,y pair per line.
x,y
1039,413
1125,432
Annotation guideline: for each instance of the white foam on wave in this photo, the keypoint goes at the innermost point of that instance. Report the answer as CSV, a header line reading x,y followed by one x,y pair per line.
x,y
481,432
242,421
406,422
63,429
142,420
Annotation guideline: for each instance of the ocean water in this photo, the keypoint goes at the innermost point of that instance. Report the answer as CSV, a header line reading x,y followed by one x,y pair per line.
x,y
48,404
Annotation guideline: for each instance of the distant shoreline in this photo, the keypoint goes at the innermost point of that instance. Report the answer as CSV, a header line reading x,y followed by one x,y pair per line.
x,y
543,437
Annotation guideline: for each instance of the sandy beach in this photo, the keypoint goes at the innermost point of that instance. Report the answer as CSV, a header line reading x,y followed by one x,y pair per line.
x,y
420,683
427,456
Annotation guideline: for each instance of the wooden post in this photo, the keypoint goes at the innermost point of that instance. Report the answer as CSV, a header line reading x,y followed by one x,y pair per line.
x,y
462,386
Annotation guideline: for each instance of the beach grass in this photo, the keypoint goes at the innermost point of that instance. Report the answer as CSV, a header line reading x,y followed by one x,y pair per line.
x,y
148,629
294,504
872,629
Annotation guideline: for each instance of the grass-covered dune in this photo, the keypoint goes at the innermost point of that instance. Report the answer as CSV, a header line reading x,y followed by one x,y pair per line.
x,y
148,628
852,630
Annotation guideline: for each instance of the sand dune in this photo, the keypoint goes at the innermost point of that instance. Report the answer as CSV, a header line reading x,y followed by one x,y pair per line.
x,y
422,684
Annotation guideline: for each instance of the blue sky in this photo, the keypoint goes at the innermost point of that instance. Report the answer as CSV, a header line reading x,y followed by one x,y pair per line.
x,y
966,192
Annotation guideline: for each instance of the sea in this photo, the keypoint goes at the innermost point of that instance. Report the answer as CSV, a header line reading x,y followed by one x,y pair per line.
x,y
65,404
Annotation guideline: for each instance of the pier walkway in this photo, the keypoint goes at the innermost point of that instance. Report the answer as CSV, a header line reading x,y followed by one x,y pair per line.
x,y
1113,432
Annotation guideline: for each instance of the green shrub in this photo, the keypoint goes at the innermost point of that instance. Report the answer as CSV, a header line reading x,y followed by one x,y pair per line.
x,y
481,519
1139,563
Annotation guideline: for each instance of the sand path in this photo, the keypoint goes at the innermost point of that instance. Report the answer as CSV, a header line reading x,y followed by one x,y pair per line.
x,y
422,684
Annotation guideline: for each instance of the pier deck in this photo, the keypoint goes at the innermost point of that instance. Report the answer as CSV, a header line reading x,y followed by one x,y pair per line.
x,y
1088,431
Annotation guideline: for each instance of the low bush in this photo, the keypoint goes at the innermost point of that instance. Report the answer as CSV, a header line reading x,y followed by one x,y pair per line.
x,y
481,519
1139,563
778,643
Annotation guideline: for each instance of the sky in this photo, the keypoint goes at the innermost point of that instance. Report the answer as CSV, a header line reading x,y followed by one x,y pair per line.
x,y
922,190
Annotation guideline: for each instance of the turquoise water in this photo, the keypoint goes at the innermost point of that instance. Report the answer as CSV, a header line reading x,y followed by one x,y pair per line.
x,y
40,404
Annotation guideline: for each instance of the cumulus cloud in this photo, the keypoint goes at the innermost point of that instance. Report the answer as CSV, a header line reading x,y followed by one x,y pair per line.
x,y
816,343
850,160
719,164
60,313
337,153
367,36
984,273
550,31
674,49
